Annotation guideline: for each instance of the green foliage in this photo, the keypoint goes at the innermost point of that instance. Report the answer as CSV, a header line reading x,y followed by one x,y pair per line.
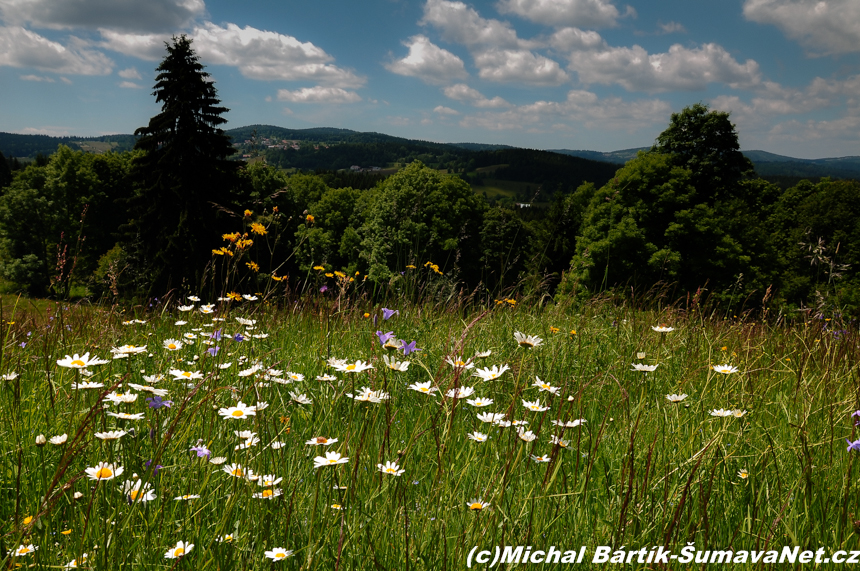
x,y
5,172
183,175
421,215
504,247
57,220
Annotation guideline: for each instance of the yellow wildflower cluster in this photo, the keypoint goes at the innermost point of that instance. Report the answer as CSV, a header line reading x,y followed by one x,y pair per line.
x,y
231,237
509,301
433,267
553,329
253,266
235,296
258,228
319,268
223,252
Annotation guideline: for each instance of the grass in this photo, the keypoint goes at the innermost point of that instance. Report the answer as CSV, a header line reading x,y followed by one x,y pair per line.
x,y
641,471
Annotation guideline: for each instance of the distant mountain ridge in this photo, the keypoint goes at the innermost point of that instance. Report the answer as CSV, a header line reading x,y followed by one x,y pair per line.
x,y
766,164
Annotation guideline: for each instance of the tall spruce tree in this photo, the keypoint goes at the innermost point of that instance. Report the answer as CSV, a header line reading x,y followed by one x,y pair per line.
x,y
183,175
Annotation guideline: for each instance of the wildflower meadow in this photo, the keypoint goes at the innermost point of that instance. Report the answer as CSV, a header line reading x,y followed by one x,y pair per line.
x,y
334,433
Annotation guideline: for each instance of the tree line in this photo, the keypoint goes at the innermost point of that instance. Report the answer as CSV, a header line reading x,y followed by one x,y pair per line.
x,y
177,213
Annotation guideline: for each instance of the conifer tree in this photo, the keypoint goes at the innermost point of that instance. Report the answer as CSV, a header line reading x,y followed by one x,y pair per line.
x,y
183,175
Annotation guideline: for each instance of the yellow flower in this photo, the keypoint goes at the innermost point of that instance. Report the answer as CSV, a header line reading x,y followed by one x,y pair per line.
x,y
258,228
319,268
248,213
511,302
553,329
242,244
235,296
217,252
66,531
573,331
366,315
310,218
340,274
276,278
275,209
28,519
253,266
231,237
329,275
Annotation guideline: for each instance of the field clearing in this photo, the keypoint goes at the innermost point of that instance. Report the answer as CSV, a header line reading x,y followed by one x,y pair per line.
x,y
584,427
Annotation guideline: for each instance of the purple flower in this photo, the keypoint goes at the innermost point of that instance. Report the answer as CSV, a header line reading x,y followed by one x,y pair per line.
x,y
201,451
383,337
857,414
408,347
853,445
216,335
213,350
238,337
156,402
158,467
324,289
388,313
23,344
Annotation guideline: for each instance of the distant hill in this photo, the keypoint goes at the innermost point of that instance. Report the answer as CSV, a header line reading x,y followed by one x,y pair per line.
x,y
334,149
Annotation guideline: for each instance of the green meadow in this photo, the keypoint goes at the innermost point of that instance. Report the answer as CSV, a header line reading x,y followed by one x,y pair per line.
x,y
255,431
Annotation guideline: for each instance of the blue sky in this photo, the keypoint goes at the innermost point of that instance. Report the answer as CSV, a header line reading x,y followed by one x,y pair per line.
x,y
577,74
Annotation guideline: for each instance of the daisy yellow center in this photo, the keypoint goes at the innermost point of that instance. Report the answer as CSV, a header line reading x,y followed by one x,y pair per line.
x,y
238,413
350,367
424,390
23,551
237,472
321,439
134,494
332,461
476,506
280,555
460,363
179,551
79,363
104,473
171,346
390,470
267,493
186,374
544,386
336,506
267,483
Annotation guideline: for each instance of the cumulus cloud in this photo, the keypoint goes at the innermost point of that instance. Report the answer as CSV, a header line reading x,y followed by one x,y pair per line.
x,y
463,25
130,85
830,27
680,68
462,92
442,110
560,13
499,54
520,66
23,48
257,54
130,73
428,62
318,94
127,15
580,107
48,130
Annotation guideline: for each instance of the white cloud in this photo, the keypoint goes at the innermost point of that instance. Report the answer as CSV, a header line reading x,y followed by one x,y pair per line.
x,y
462,92
843,132
442,110
499,54
428,62
560,13
671,28
580,107
128,15
130,85
257,54
826,27
463,25
318,94
635,69
66,80
37,78
23,48
519,66
130,73
48,130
